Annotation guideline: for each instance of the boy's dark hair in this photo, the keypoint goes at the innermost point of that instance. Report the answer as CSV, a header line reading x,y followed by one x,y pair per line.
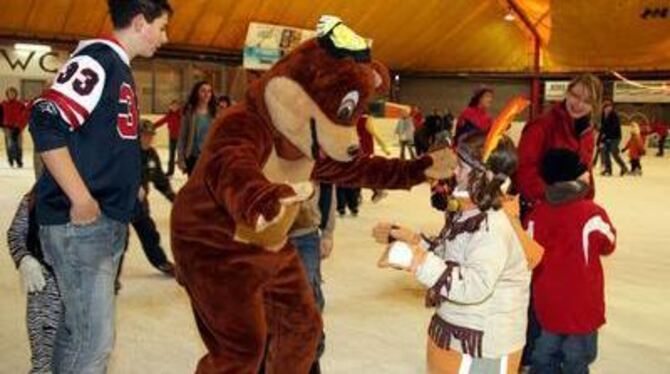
x,y
224,99
123,11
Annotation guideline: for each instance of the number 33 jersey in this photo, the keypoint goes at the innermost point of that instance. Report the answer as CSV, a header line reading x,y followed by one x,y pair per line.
x,y
91,108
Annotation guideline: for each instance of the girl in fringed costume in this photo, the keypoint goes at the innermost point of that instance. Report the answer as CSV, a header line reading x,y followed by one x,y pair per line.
x,y
478,269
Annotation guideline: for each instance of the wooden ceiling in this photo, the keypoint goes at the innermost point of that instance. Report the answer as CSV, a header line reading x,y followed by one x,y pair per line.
x,y
409,35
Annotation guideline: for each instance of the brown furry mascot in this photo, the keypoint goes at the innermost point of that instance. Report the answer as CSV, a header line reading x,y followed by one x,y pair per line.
x,y
230,221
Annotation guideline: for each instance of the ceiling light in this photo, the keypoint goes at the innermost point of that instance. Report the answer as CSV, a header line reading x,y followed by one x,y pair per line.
x,y
32,47
509,17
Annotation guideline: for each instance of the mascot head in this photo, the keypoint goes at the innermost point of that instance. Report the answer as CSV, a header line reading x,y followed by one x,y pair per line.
x,y
315,94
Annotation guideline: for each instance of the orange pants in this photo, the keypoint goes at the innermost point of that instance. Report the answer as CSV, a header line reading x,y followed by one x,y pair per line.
x,y
442,361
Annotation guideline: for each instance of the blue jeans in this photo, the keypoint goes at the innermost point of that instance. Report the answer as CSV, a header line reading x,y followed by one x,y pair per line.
x,y
566,354
309,249
85,260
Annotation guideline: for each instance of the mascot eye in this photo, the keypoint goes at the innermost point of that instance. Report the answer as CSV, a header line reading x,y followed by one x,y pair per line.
x,y
348,106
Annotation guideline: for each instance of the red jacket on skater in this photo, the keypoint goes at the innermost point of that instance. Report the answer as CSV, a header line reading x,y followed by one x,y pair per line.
x,y
173,120
14,114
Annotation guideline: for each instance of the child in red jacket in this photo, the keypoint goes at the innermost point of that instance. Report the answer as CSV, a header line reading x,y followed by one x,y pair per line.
x,y
14,121
173,120
568,285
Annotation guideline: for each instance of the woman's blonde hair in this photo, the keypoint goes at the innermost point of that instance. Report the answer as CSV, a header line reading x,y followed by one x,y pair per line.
x,y
593,86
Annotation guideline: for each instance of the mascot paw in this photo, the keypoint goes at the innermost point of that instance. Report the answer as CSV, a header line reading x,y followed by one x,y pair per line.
x,y
444,163
303,191
273,234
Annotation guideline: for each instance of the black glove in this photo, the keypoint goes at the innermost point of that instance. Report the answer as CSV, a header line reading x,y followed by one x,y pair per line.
x,y
563,192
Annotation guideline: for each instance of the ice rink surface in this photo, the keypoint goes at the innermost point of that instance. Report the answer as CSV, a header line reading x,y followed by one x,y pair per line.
x,y
375,319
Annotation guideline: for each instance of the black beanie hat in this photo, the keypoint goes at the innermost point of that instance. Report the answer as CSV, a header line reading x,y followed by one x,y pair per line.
x,y
561,165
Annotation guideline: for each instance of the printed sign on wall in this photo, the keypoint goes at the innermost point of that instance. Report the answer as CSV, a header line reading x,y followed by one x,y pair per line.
x,y
555,90
266,44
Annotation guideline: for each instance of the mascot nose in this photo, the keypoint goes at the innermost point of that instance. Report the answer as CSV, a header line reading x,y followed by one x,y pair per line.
x,y
352,150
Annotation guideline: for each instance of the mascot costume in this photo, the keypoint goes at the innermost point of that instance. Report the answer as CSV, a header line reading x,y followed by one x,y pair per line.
x,y
296,126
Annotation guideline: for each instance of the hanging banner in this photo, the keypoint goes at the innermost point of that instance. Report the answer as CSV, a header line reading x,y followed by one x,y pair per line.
x,y
555,90
642,92
266,44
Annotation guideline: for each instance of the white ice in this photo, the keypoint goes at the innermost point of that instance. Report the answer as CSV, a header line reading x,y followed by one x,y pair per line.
x,y
375,319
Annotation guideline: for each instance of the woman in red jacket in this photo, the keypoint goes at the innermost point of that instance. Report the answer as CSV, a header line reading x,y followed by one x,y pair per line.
x,y
14,121
475,117
566,125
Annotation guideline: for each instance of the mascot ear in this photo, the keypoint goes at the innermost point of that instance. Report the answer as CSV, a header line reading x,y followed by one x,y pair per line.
x,y
381,78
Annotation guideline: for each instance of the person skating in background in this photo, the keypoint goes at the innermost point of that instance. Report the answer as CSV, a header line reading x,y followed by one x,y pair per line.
x,y
405,132
610,139
448,122
173,120
367,136
14,122
421,141
475,117
198,115
636,148
43,305
143,224
222,103
432,126
660,129
568,285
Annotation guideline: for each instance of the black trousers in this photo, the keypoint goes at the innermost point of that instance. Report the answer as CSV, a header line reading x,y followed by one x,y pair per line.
x,y
635,164
661,145
146,230
171,157
5,132
14,147
611,150
348,197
